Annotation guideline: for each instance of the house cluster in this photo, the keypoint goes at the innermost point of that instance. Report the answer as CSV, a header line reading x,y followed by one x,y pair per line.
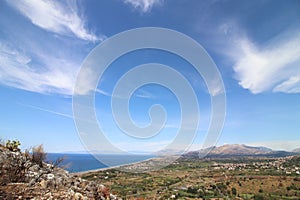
x,y
277,164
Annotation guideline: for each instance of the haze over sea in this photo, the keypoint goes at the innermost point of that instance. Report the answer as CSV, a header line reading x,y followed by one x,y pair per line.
x,y
86,162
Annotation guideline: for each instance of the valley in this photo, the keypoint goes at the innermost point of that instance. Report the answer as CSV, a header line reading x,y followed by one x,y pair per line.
x,y
209,178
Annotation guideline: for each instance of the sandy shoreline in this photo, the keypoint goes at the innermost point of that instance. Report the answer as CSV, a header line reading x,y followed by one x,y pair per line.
x,y
95,170
112,167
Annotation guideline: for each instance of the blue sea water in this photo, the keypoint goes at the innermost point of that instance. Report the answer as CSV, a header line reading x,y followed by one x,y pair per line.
x,y
85,162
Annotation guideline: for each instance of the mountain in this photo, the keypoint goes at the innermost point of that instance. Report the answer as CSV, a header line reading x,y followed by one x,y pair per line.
x,y
239,150
296,150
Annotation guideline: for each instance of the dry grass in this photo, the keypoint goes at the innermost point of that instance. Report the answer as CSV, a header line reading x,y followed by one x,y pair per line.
x,y
39,155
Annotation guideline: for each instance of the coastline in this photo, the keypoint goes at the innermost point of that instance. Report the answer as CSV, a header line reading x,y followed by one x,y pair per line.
x,y
112,167
136,165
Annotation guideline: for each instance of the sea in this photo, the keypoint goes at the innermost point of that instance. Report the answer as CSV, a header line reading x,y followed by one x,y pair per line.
x,y
85,162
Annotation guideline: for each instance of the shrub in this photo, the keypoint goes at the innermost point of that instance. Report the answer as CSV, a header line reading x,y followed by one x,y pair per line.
x,y
258,197
60,162
12,169
38,155
192,190
233,191
13,145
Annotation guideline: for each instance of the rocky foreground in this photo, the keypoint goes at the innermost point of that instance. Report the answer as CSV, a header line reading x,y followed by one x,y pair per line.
x,y
22,177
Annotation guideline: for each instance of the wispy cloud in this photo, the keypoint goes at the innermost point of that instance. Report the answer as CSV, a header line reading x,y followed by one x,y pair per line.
x,y
271,67
144,5
141,93
16,71
55,17
40,62
101,91
48,111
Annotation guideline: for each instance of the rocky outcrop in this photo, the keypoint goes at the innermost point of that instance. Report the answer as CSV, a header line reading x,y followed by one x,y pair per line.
x,y
22,178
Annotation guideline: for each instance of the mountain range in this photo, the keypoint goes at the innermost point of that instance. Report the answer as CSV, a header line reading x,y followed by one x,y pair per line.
x,y
239,150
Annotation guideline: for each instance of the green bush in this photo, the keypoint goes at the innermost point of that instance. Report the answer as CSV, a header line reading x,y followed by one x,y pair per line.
x,y
13,145
233,191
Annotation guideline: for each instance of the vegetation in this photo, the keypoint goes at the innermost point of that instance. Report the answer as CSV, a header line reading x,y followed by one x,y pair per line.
x,y
13,145
247,178
11,171
38,155
223,178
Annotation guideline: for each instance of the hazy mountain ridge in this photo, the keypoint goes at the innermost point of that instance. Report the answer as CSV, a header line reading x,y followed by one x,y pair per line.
x,y
296,150
239,150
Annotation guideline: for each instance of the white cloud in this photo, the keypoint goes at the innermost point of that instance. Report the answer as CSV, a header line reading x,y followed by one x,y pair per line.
x,y
36,61
144,5
273,67
53,16
16,71
292,85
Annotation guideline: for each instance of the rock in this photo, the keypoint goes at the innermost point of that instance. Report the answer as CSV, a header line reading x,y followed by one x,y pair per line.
x,y
32,182
71,192
113,197
50,176
49,195
43,184
78,196
45,181
34,168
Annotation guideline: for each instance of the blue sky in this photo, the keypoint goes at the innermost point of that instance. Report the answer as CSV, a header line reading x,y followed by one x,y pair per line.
x,y
255,45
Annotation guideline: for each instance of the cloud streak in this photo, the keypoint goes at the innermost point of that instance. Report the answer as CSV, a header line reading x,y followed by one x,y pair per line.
x,y
273,67
54,17
48,111
143,5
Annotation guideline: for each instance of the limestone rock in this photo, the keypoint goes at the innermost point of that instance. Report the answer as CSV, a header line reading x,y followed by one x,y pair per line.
x,y
44,181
